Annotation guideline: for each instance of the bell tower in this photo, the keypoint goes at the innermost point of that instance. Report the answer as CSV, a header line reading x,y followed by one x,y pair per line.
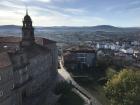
x,y
27,31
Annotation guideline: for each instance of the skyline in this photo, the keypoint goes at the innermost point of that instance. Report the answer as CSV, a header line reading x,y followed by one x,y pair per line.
x,y
122,13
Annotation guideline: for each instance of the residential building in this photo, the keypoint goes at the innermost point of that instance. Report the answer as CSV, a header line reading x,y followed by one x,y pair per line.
x,y
80,58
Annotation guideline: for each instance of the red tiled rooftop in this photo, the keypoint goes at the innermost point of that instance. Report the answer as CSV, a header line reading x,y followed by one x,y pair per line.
x,y
79,49
10,39
43,41
13,39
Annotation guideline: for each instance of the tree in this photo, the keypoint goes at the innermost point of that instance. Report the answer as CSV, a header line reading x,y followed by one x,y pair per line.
x,y
110,72
124,88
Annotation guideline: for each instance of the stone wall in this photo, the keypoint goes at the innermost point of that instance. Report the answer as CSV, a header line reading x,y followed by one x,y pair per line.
x,y
8,101
6,85
41,69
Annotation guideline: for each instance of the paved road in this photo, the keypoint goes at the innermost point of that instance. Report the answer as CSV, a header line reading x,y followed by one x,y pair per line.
x,y
89,99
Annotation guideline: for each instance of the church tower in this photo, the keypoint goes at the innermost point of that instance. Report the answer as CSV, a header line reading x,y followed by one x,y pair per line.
x,y
27,32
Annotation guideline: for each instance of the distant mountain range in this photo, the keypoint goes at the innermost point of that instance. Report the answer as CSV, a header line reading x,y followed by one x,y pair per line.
x,y
66,34
106,28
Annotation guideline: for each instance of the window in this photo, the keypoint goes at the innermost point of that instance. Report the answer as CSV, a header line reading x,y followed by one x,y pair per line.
x,y
20,72
13,86
1,93
26,68
81,54
82,60
21,59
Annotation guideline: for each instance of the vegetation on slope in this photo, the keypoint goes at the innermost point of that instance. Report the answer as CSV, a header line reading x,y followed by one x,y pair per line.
x,y
124,88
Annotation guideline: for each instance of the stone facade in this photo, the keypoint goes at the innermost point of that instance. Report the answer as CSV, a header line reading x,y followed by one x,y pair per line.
x,y
80,58
6,80
30,66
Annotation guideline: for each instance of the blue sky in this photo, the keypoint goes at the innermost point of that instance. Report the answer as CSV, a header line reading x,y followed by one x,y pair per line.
x,y
124,13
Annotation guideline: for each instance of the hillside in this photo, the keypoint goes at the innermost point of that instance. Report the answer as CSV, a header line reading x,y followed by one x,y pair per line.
x,y
75,34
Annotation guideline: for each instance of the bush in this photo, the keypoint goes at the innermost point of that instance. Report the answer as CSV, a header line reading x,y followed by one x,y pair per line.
x,y
124,88
110,72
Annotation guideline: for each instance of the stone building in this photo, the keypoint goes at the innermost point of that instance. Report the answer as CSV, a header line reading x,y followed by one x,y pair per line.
x,y
80,58
28,66
6,79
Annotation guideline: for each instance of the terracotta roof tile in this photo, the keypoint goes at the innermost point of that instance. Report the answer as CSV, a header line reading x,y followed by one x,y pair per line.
x,y
10,39
43,41
13,39
82,49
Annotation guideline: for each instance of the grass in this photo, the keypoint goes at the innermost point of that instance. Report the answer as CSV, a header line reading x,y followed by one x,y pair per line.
x,y
70,98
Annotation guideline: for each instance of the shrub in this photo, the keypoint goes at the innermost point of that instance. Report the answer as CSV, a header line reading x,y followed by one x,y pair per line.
x,y
124,88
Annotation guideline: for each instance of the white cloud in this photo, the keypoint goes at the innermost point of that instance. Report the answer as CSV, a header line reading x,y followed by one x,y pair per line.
x,y
61,20
44,14
64,0
47,1
75,11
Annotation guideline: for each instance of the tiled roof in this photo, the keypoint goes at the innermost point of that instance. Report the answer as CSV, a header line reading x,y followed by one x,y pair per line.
x,y
43,41
4,60
10,39
79,49
13,39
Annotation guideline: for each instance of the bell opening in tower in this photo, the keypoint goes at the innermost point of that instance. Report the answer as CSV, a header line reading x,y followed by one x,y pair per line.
x,y
27,32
